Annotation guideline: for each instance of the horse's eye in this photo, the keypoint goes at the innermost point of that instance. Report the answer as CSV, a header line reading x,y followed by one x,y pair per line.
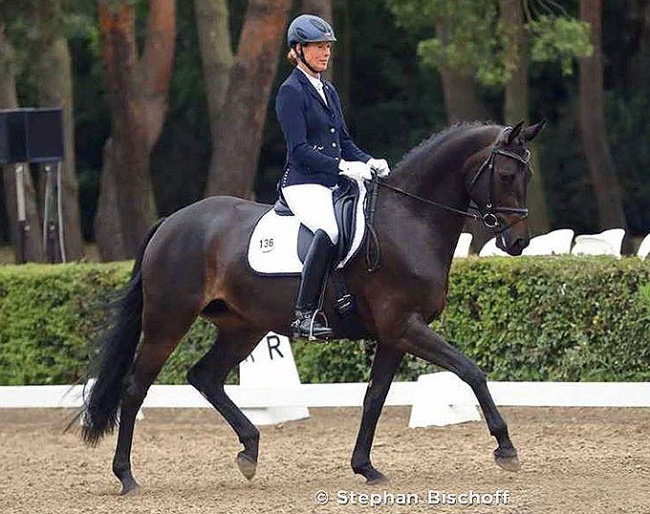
x,y
506,178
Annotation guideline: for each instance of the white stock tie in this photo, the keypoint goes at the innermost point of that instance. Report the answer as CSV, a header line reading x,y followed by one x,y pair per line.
x,y
319,88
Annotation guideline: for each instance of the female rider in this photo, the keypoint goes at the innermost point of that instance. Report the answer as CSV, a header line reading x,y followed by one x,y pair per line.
x,y
319,149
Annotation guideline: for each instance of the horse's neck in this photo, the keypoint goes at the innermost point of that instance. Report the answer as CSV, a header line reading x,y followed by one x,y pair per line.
x,y
440,182
419,233
441,178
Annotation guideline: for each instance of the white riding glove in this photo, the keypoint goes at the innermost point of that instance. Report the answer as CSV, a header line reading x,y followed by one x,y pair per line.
x,y
356,170
379,166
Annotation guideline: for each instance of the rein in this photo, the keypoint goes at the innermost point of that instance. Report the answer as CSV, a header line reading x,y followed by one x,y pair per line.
x,y
430,202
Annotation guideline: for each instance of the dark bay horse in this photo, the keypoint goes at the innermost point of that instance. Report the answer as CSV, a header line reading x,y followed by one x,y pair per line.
x,y
194,263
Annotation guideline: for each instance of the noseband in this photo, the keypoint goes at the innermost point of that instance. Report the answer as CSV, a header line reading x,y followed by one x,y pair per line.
x,y
489,215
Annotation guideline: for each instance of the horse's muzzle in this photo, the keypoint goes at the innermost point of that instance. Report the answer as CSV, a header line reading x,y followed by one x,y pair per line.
x,y
513,244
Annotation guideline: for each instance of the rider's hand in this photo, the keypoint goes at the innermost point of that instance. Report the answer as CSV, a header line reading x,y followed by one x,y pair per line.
x,y
355,170
379,166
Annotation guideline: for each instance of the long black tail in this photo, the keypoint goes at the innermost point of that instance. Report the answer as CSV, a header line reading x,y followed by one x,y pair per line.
x,y
118,343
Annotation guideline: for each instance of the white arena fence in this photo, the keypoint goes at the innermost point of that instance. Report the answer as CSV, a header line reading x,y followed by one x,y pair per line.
x,y
438,399
514,394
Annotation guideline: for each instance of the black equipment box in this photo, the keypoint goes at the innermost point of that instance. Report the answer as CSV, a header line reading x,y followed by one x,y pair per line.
x,y
31,135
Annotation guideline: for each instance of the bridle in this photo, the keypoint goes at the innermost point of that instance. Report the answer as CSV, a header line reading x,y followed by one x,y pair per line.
x,y
488,214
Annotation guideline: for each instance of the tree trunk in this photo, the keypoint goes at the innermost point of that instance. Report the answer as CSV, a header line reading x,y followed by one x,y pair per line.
x,y
137,94
461,96
53,75
461,100
217,58
516,106
516,90
343,53
638,73
240,126
108,231
9,100
322,8
129,163
592,125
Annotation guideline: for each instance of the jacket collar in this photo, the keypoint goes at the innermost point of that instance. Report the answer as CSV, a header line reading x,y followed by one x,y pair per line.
x,y
308,86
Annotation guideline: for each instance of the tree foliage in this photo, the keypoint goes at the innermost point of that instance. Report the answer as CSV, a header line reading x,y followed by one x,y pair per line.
x,y
558,38
476,42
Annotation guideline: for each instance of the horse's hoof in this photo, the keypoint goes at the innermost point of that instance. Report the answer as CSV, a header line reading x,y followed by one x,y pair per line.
x,y
376,478
130,488
511,464
507,459
246,465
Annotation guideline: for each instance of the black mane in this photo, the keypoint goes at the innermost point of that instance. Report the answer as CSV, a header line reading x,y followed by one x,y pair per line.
x,y
436,140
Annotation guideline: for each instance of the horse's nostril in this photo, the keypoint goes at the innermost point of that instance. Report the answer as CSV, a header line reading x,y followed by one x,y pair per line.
x,y
517,246
520,244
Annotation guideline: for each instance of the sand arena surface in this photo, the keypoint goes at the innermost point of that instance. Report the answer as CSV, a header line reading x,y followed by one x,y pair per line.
x,y
574,461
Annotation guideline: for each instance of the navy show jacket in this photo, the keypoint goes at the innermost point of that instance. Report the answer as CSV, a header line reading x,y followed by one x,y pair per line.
x,y
316,135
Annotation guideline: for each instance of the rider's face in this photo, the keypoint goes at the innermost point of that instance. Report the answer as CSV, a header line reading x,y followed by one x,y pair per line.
x,y
318,55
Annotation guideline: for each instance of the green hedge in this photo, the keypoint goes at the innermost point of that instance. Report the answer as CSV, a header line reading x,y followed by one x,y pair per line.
x,y
49,315
537,318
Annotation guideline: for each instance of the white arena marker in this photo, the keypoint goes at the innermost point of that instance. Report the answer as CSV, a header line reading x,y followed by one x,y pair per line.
x,y
271,365
431,404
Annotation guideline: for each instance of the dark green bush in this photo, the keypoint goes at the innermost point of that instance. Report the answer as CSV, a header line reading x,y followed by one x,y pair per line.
x,y
542,318
572,318
49,316
519,319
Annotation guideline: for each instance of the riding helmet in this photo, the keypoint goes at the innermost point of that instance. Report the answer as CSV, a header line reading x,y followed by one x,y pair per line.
x,y
308,28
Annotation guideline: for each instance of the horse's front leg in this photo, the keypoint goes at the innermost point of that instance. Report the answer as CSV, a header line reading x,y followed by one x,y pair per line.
x,y
419,340
383,370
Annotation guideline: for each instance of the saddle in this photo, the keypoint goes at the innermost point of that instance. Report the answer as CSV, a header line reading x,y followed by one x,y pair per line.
x,y
346,200
279,243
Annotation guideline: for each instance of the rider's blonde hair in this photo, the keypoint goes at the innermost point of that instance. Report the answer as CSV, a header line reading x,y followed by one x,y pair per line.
x,y
292,57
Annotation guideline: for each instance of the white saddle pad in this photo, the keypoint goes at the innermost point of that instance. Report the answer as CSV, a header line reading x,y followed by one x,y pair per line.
x,y
273,247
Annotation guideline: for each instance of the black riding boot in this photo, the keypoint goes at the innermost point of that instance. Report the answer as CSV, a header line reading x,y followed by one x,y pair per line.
x,y
314,278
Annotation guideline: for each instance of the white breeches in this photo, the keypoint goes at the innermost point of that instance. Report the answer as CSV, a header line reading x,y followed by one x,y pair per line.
x,y
313,206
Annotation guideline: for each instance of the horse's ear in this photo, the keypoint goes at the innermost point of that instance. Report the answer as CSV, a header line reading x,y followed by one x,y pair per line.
x,y
530,133
508,136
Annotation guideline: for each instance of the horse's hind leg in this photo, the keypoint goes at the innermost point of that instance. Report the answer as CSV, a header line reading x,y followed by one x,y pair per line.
x,y
208,376
419,340
159,340
384,365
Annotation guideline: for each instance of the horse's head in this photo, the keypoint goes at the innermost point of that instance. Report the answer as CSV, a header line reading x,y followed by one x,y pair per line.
x,y
498,186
